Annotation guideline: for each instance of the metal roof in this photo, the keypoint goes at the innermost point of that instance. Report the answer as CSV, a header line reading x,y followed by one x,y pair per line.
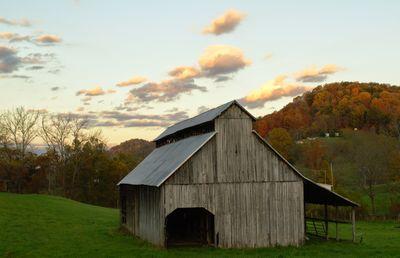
x,y
160,164
200,119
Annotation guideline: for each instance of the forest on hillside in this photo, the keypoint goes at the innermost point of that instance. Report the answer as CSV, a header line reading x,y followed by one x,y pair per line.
x,y
335,106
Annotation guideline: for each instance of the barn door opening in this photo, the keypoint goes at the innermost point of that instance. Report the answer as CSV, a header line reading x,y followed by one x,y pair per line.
x,y
189,226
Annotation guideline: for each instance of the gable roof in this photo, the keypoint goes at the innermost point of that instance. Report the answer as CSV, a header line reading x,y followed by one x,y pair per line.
x,y
163,161
202,118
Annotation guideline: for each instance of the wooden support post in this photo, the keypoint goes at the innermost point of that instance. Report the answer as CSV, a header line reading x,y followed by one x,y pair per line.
x,y
353,221
326,222
337,224
305,220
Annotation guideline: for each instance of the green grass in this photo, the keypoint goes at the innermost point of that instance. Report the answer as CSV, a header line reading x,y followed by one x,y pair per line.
x,y
48,226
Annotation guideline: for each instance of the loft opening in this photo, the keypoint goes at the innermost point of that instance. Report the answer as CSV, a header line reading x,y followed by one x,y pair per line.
x,y
189,227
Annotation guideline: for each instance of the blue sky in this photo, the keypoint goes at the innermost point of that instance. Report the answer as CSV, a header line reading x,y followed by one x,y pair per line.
x,y
103,43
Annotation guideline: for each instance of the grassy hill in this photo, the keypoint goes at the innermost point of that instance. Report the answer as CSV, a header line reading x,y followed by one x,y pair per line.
x,y
48,226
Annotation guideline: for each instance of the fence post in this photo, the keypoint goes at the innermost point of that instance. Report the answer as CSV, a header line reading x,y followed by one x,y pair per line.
x,y
353,221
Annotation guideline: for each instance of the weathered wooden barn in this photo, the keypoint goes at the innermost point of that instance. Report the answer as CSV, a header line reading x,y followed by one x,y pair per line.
x,y
213,180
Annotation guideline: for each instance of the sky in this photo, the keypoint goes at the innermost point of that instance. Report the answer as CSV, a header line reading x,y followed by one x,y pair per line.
x,y
135,67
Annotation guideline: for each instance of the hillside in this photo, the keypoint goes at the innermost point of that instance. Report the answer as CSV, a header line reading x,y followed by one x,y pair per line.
x,y
335,106
48,226
135,147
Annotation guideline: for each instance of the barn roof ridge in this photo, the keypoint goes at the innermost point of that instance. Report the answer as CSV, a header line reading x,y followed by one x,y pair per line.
x,y
201,118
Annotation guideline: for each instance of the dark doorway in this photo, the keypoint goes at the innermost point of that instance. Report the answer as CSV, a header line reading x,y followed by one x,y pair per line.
x,y
189,226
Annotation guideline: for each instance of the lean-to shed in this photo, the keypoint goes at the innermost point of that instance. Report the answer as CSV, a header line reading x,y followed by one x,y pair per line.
x,y
213,180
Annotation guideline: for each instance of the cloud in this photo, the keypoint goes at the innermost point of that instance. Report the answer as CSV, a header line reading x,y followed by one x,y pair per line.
x,y
106,124
9,61
97,91
54,70
41,40
225,23
314,74
14,37
56,88
18,76
35,67
184,72
122,119
39,58
222,78
222,59
268,56
164,91
217,62
48,39
80,109
202,109
145,123
22,22
273,90
133,81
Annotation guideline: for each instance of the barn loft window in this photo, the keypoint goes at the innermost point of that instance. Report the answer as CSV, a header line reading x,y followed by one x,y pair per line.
x,y
123,209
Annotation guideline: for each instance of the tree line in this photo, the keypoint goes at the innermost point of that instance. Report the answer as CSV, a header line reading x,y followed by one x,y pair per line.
x,y
76,163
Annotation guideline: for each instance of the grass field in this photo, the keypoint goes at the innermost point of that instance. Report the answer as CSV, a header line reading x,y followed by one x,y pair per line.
x,y
48,226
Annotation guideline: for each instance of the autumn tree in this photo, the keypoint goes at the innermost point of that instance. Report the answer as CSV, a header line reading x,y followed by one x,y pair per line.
x,y
281,140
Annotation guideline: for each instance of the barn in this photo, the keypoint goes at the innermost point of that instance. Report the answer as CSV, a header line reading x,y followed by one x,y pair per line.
x,y
212,180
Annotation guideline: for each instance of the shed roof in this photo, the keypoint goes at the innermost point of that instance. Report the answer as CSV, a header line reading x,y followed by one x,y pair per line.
x,y
200,119
162,162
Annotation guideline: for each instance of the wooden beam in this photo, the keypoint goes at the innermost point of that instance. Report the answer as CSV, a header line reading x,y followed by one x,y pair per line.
x,y
326,222
337,224
305,220
331,220
353,220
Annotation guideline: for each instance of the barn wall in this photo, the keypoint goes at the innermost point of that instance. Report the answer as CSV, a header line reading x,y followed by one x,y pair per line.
x,y
256,198
145,213
255,214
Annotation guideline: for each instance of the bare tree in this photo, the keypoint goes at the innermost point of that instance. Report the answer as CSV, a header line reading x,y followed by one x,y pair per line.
x,y
21,127
55,131
4,134
78,136
58,132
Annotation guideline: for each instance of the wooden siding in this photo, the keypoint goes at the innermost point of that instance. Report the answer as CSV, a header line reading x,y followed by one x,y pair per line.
x,y
255,214
144,213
